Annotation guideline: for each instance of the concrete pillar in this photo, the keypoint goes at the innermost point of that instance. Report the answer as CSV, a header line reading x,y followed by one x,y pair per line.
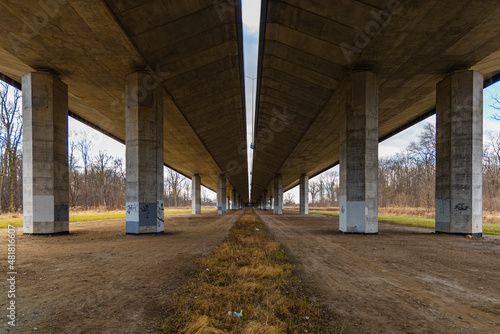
x,y
233,200
278,195
144,155
271,202
196,195
265,199
459,188
359,154
304,195
221,196
45,154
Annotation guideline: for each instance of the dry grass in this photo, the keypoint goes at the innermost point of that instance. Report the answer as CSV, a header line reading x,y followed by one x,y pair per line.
x,y
247,273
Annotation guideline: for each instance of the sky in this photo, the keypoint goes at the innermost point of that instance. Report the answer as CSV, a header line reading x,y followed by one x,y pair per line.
x,y
251,21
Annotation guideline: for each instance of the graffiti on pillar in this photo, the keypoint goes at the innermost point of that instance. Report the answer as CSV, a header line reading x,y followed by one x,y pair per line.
x,y
461,207
343,209
159,213
132,208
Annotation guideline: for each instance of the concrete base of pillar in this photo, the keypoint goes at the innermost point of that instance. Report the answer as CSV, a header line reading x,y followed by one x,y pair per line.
x,y
47,228
145,218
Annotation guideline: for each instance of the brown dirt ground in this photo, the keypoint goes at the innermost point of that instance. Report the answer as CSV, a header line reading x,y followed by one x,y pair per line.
x,y
97,279
404,280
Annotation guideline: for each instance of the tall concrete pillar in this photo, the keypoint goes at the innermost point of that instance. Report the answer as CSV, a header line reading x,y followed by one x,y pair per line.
x,y
45,154
271,203
265,199
221,196
459,187
304,195
359,154
278,195
196,195
144,155
233,200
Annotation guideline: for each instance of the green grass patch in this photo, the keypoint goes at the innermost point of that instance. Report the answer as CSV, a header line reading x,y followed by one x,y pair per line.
x,y
414,221
82,217
246,286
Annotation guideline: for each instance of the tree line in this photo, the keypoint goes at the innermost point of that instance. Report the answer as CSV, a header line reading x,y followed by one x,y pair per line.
x,y
408,178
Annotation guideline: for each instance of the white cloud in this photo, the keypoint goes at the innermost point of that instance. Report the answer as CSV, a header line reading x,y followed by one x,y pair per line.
x,y
251,14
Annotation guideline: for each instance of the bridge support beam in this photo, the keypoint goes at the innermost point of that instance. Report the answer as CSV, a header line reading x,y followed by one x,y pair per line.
x,y
144,153
233,200
278,195
359,154
221,196
45,149
304,195
265,199
459,187
196,195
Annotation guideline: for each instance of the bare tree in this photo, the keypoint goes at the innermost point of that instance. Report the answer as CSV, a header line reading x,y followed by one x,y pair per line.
x,y
84,145
313,190
11,126
175,184
289,199
495,105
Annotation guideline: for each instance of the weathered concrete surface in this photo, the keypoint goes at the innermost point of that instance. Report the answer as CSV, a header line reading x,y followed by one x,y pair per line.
x,y
196,195
358,193
144,118
459,183
265,200
45,154
304,195
309,47
221,196
98,43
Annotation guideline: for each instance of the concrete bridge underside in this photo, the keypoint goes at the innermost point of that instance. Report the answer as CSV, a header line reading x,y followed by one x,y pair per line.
x,y
335,77
313,97
191,60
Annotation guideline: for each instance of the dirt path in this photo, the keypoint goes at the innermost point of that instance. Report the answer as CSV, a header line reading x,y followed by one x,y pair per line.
x,y
405,280
99,280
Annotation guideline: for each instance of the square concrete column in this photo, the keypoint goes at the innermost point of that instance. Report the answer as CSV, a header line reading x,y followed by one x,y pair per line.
x,y
459,187
278,195
196,195
233,200
144,155
265,200
304,195
221,196
45,154
359,154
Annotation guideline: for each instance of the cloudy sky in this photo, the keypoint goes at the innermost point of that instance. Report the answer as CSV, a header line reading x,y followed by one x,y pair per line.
x,y
251,19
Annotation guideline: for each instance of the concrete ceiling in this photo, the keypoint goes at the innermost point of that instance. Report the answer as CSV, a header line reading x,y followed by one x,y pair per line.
x,y
194,48
301,65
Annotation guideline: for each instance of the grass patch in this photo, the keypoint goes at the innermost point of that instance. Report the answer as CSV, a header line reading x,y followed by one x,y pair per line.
x,y
248,274
415,221
87,216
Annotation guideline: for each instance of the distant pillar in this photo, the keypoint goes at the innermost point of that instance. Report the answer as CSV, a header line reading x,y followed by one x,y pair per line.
x,y
265,199
459,187
359,154
233,200
196,195
45,154
304,195
278,195
221,196
144,155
